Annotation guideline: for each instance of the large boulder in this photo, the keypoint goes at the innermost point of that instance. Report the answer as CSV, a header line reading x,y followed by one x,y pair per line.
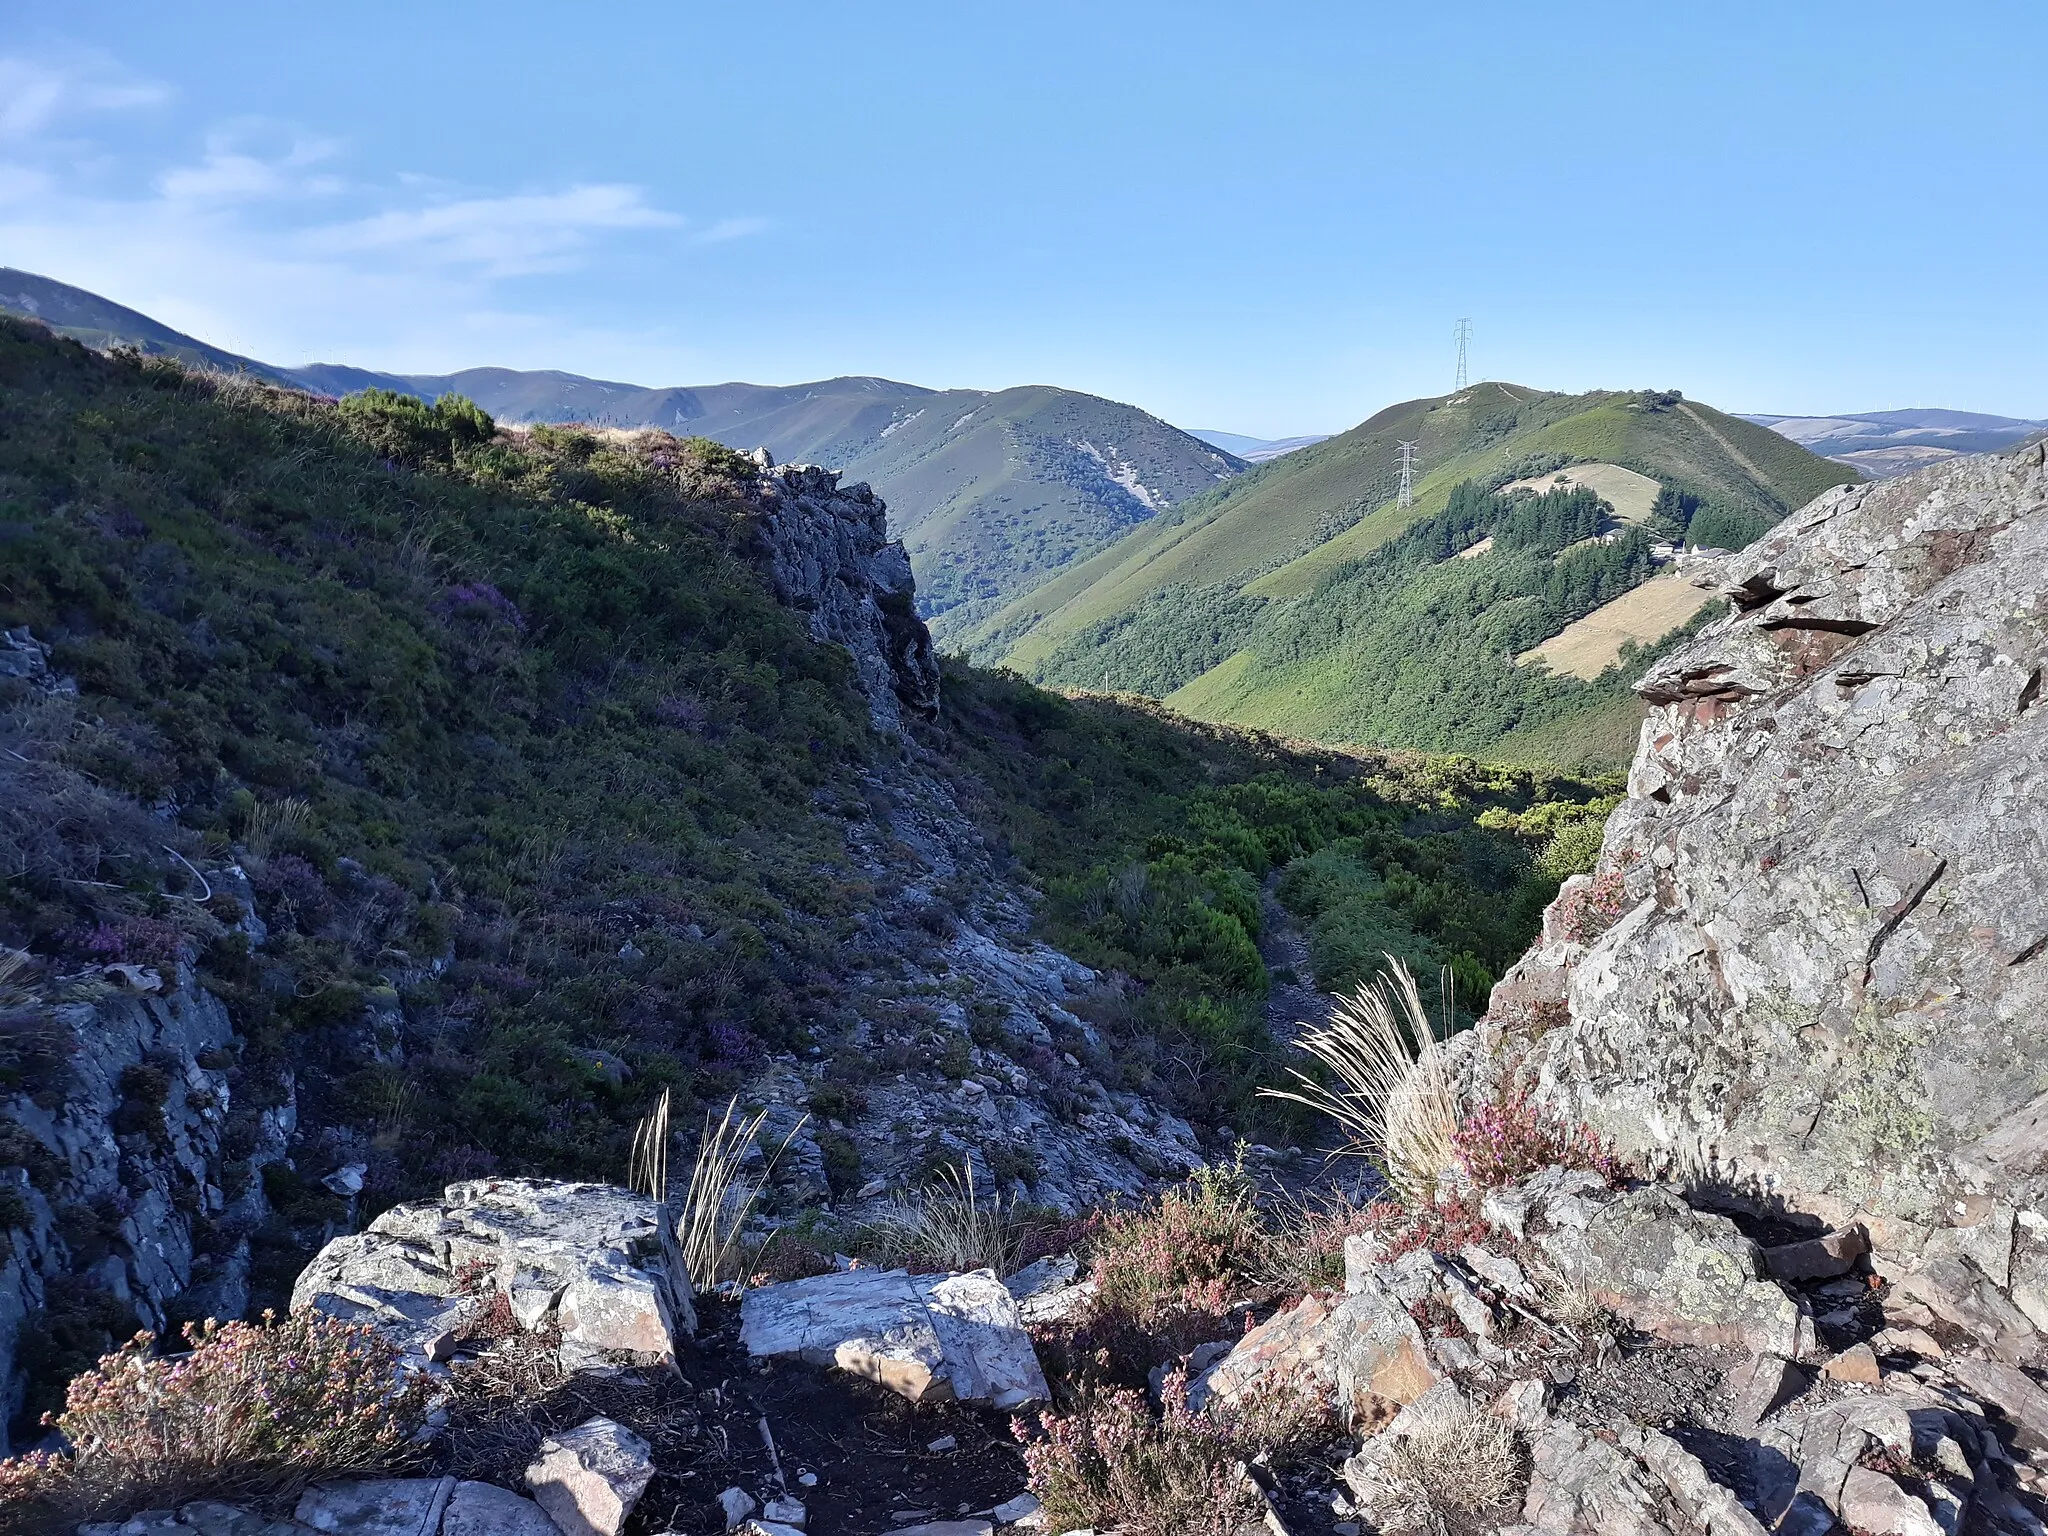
x,y
1810,965
596,1262
930,1338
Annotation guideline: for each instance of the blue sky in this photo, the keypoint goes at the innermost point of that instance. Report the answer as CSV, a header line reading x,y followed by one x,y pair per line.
x,y
1261,218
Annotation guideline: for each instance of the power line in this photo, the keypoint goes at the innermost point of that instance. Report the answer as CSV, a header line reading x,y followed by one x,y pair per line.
x,y
1405,497
1464,334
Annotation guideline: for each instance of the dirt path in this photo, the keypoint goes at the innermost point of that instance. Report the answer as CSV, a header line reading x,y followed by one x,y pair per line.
x,y
1293,1004
1727,447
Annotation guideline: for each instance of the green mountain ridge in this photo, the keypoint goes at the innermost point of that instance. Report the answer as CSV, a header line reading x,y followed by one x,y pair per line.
x,y
992,492
1216,606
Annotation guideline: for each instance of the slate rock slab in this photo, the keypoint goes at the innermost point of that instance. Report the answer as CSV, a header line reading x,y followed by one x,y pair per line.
x,y
929,1338
589,1478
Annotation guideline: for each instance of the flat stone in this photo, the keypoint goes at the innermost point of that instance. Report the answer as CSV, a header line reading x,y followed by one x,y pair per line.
x,y
1817,1258
929,1338
737,1504
1010,1511
382,1506
1873,1503
485,1509
2025,1405
787,1511
1856,1363
1758,1387
589,1478
768,1528
1957,1292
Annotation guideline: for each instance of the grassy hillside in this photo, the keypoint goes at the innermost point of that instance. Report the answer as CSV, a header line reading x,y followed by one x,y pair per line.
x,y
1300,598
97,322
1278,529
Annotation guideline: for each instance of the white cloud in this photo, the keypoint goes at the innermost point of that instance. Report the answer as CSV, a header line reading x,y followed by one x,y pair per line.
x,y
502,236
37,94
263,244
731,229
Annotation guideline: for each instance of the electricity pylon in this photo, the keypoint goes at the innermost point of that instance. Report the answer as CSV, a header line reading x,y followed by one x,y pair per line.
x,y
1405,497
1464,334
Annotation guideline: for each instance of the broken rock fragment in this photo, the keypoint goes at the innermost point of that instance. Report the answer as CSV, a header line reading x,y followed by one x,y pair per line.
x,y
589,1478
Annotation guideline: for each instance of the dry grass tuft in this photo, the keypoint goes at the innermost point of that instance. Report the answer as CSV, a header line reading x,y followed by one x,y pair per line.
x,y
721,1196
946,1227
1392,1097
1449,1474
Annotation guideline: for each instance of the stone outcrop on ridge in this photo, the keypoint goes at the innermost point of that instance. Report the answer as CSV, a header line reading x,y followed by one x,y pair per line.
x,y
597,1263
832,560
1811,965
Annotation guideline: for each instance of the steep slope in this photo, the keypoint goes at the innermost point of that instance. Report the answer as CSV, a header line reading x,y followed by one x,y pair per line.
x,y
1882,443
98,322
386,800
1293,598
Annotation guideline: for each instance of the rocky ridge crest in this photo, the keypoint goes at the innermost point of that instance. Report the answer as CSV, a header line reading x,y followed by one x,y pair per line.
x,y
1809,969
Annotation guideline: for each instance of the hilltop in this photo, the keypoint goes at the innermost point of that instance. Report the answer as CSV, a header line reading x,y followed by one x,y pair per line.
x,y
1884,443
991,491
1244,604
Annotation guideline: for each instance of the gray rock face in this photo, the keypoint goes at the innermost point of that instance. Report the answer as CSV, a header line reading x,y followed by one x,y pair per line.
x,y
1685,1276
930,1338
1825,982
832,558
169,1179
595,1261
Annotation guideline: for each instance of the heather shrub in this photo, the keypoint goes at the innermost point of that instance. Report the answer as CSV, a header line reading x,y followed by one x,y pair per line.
x,y
249,1411
1589,910
1191,1249
1112,1465
1503,1142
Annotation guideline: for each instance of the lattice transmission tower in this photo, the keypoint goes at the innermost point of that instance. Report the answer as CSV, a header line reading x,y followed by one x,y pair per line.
x,y
1464,334
1405,497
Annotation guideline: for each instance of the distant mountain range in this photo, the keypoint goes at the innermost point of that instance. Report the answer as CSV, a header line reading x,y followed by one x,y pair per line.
x,y
1884,443
1303,597
992,492
1256,450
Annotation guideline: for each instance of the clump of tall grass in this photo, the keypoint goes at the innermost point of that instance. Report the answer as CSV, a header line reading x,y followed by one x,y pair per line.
x,y
1390,1094
721,1195
946,1226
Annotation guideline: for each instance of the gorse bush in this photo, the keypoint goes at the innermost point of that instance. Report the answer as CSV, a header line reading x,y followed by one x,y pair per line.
x,y
249,1411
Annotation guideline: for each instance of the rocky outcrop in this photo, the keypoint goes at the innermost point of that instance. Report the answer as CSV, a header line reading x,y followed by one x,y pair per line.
x,y
1810,967
832,559
596,1264
127,1196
